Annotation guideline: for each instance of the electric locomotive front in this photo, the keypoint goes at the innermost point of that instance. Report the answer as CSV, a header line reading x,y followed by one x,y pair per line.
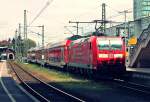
x,y
111,54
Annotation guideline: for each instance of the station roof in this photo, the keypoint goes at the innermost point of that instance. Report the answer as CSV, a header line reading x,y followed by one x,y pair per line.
x,y
6,48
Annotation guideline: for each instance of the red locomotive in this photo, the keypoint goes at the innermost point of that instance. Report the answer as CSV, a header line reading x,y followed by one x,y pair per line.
x,y
87,54
98,53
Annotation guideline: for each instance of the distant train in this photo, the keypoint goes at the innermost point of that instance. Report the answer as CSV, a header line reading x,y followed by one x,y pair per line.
x,y
93,54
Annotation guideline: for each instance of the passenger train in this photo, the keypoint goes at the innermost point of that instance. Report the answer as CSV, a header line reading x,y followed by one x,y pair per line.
x,y
90,54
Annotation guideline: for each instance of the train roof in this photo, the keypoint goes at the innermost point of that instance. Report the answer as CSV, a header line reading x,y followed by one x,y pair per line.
x,y
6,48
110,37
35,49
63,42
57,44
74,37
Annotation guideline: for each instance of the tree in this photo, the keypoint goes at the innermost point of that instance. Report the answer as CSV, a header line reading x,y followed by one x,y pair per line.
x,y
22,45
26,45
30,43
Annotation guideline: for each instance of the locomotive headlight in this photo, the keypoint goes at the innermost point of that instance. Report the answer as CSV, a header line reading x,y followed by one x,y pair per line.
x,y
103,55
118,55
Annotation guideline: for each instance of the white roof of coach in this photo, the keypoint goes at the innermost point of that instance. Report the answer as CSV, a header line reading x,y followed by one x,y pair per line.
x,y
56,44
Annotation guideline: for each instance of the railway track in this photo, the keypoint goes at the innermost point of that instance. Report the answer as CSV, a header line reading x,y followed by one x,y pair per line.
x,y
133,86
40,89
123,83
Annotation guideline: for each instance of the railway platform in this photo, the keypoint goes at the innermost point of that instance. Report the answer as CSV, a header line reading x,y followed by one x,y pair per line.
x,y
10,91
143,73
140,70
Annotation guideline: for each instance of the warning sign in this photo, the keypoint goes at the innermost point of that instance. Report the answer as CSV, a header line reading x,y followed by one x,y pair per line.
x,y
132,41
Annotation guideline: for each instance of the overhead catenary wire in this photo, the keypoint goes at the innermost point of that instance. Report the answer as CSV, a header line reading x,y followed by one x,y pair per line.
x,y
47,4
117,11
87,12
113,16
41,11
112,8
37,33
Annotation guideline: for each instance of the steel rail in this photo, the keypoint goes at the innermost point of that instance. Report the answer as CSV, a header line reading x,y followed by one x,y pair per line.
x,y
27,86
133,86
51,86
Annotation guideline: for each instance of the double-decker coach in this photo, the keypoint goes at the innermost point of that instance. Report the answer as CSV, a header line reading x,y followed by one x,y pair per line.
x,y
104,54
58,53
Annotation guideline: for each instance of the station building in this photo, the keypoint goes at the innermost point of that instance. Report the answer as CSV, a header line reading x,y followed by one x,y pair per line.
x,y
141,14
7,53
133,28
141,9
138,28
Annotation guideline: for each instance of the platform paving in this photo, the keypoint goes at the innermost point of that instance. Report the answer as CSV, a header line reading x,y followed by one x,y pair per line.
x,y
142,74
140,70
10,91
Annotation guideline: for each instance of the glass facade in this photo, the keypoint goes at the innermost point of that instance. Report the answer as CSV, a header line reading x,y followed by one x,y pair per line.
x,y
136,27
141,9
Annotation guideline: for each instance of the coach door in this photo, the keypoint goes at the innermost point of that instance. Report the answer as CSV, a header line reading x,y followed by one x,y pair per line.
x,y
62,55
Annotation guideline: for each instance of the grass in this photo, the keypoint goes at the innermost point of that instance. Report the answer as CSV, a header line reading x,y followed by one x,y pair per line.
x,y
53,75
64,79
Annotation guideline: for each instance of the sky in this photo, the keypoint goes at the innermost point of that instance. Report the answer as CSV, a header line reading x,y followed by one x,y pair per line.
x,y
57,15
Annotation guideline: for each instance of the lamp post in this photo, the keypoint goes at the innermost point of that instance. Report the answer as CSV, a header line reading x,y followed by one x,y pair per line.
x,y
125,29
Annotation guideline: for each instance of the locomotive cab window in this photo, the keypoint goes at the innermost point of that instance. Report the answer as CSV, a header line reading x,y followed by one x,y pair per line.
x,y
109,44
116,44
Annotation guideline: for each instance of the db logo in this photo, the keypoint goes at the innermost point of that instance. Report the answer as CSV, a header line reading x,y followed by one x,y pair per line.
x,y
110,55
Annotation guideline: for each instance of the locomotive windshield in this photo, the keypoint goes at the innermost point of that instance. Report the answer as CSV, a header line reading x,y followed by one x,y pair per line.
x,y
109,44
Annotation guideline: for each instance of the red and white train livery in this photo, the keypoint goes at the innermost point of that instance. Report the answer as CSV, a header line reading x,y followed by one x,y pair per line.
x,y
87,54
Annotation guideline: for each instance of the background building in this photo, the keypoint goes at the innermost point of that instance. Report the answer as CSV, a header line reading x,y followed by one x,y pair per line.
x,y
141,9
141,13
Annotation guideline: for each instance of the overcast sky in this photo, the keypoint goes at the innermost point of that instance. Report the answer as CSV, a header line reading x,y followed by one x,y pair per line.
x,y
56,15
